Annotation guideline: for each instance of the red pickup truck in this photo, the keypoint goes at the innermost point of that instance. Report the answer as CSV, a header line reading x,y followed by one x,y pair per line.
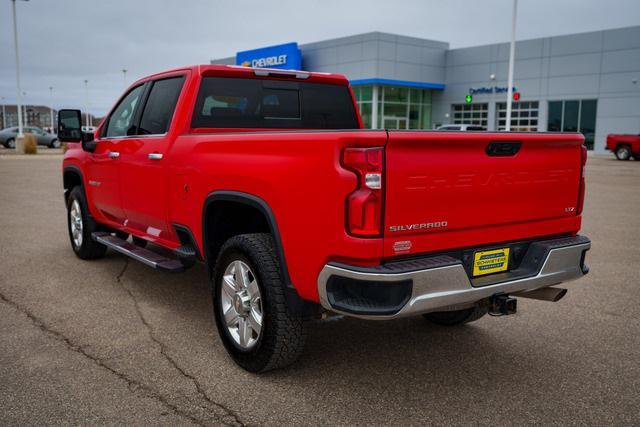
x,y
624,146
269,179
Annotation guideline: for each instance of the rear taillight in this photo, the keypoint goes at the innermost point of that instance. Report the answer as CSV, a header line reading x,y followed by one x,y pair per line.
x,y
364,204
582,189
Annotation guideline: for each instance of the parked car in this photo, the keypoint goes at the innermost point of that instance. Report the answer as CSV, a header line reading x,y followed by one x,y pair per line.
x,y
624,146
269,179
462,127
8,137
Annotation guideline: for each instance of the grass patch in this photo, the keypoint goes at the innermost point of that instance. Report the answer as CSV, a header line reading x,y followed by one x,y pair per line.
x,y
30,144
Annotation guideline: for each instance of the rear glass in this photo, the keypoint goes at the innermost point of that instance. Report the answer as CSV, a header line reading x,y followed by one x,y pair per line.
x,y
253,103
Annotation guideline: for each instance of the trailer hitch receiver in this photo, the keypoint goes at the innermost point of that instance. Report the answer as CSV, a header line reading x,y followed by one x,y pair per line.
x,y
503,305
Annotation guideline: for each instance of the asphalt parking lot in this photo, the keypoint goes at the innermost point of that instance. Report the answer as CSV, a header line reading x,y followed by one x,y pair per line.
x,y
115,342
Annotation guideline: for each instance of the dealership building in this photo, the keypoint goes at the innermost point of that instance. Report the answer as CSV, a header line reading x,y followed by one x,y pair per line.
x,y
587,82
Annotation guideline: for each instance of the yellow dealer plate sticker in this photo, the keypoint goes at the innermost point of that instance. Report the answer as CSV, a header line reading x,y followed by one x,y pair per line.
x,y
487,262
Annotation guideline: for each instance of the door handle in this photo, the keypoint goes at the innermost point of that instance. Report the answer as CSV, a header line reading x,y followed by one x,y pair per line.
x,y
155,156
114,154
503,148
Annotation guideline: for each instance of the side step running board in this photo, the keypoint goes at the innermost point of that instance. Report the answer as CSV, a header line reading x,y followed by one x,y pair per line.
x,y
145,256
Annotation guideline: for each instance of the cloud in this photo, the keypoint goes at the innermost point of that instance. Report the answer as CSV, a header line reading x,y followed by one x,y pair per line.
x,y
64,42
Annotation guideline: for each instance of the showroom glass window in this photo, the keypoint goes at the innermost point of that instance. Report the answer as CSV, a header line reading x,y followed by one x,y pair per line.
x,y
398,107
574,116
364,98
404,108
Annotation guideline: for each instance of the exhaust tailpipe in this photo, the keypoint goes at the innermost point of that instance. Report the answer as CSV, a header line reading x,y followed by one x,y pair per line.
x,y
544,294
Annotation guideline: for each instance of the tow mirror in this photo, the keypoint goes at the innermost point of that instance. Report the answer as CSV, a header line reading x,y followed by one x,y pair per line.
x,y
70,130
88,142
69,126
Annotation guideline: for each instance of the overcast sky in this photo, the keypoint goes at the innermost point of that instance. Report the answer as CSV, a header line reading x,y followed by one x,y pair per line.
x,y
64,42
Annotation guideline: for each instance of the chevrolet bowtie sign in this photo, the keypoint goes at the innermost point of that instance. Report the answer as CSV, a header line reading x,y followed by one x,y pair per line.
x,y
284,56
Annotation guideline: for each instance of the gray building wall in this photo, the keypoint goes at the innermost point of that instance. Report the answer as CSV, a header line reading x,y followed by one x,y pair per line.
x,y
374,55
378,55
225,61
602,65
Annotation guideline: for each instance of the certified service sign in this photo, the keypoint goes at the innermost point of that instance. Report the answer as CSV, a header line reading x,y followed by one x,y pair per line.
x,y
285,56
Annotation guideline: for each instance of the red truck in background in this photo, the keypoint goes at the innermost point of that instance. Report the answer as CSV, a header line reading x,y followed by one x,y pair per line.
x,y
269,179
624,146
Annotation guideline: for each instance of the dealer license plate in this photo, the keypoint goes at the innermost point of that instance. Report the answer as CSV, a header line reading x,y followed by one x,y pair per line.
x,y
493,261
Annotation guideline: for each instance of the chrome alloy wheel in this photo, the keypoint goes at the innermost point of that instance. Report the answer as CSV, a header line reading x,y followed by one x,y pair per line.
x,y
241,304
623,153
75,222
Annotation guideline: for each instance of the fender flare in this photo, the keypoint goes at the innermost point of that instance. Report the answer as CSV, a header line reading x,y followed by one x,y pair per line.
x,y
75,169
294,303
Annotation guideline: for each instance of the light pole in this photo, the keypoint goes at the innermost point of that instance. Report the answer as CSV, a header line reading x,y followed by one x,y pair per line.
x,y
51,107
4,114
25,118
124,76
512,53
86,102
19,91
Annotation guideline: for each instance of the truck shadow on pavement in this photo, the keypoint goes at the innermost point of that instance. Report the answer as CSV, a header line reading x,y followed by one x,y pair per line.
x,y
352,357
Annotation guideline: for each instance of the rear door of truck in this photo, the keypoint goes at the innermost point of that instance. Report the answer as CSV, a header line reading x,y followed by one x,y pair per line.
x,y
453,190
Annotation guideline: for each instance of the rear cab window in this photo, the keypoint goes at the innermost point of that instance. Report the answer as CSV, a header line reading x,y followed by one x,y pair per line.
x,y
228,102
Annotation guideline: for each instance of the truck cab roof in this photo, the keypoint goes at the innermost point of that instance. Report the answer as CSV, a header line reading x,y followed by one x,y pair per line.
x,y
250,72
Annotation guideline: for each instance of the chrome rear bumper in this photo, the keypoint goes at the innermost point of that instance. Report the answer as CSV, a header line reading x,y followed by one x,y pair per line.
x,y
441,283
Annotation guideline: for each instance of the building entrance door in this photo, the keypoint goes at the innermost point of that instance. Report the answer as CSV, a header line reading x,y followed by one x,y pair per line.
x,y
395,122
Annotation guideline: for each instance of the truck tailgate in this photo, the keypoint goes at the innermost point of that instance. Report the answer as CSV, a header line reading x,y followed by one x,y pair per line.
x,y
447,190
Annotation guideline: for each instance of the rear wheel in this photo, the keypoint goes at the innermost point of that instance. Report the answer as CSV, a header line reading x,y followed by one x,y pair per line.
x,y
54,144
81,225
458,317
623,152
11,143
256,328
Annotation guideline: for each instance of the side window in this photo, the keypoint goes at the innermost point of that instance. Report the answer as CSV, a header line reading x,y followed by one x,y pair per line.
x,y
160,106
122,117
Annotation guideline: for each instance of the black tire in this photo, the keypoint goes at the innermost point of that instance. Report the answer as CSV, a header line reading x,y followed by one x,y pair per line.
x,y
458,317
87,247
623,152
11,143
283,335
55,144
